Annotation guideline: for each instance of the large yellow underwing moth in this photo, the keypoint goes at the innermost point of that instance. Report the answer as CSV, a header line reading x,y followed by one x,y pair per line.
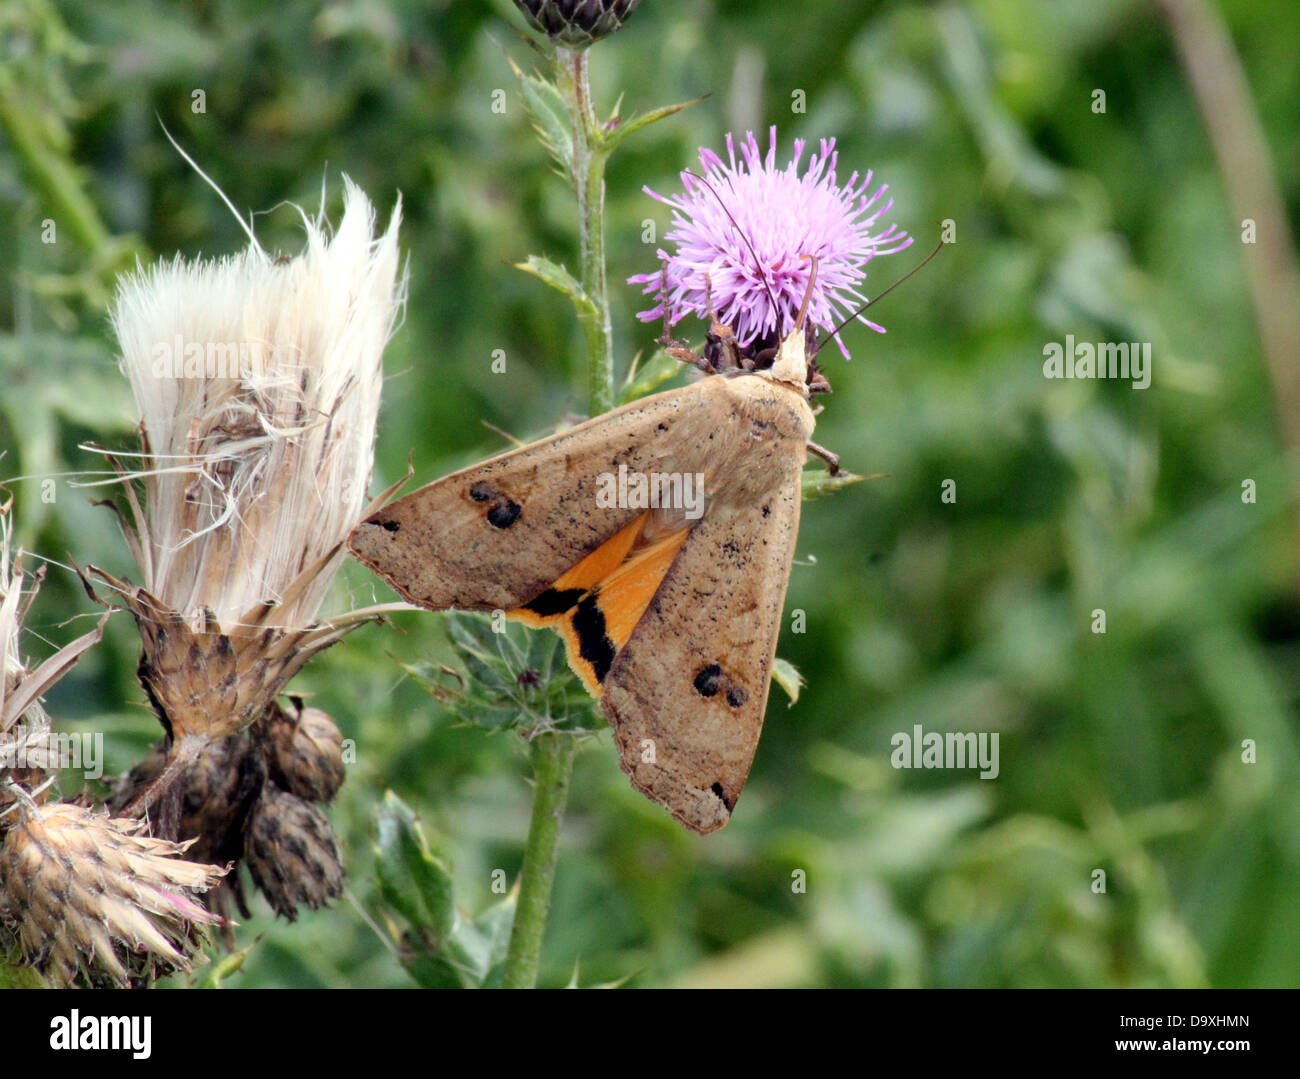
x,y
670,613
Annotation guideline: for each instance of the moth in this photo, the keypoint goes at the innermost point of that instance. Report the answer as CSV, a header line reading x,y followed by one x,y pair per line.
x,y
670,611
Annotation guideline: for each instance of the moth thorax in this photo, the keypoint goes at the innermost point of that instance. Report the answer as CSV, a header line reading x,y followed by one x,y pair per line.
x,y
791,363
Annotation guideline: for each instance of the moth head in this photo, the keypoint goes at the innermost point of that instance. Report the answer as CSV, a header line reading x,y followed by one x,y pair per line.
x,y
790,366
791,363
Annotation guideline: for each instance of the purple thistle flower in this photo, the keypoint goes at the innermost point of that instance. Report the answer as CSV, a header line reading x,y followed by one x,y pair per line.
x,y
784,216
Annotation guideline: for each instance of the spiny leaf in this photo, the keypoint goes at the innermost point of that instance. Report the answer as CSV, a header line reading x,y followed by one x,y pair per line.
x,y
786,675
817,483
559,278
618,134
413,878
550,117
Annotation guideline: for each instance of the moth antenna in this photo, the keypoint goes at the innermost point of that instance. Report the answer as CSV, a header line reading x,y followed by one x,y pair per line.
x,y
753,254
807,293
881,296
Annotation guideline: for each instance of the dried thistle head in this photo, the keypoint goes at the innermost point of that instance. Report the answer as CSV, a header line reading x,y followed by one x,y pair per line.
x,y
304,751
258,383
217,792
84,898
245,799
92,901
24,727
292,853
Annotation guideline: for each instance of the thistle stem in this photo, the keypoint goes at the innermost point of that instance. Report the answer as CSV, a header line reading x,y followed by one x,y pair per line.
x,y
552,755
553,752
589,157
165,789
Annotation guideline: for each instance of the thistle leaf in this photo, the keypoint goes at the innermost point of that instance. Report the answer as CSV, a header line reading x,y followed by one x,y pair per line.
x,y
786,675
413,878
559,278
818,483
550,117
617,135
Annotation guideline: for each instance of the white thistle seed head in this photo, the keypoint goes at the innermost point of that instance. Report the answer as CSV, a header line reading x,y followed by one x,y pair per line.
x,y
258,382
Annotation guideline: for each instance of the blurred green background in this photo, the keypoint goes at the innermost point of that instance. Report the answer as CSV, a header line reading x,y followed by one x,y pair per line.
x,y
1120,751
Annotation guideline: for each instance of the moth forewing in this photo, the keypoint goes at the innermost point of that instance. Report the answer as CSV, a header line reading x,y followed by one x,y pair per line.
x,y
496,535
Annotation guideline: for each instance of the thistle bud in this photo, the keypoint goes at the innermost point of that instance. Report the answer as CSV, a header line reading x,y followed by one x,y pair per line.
x,y
216,793
92,901
304,752
577,23
292,853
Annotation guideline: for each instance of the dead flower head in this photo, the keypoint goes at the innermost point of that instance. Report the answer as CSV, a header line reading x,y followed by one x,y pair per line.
x,y
257,381
24,727
83,898
91,901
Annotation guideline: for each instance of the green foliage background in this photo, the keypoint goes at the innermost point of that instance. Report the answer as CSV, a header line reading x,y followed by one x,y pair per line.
x,y
1119,752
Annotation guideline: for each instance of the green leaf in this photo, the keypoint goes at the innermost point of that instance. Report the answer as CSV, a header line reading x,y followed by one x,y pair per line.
x,y
227,966
495,924
818,483
413,878
559,278
649,376
786,675
550,117
440,948
618,134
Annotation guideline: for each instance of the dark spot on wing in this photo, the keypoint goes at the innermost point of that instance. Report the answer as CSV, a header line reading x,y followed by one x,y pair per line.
x,y
387,526
722,796
707,680
736,696
481,492
504,513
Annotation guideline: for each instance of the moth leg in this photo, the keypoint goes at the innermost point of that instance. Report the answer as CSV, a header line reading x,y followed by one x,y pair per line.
x,y
722,349
679,350
832,459
666,339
